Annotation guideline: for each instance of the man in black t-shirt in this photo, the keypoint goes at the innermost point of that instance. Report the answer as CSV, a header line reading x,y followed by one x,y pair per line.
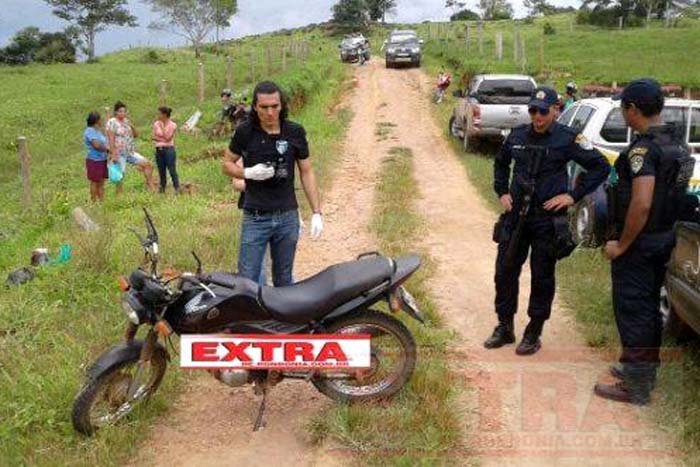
x,y
270,147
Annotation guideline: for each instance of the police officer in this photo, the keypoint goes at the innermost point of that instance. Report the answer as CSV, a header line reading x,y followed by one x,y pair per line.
x,y
545,232
650,194
271,148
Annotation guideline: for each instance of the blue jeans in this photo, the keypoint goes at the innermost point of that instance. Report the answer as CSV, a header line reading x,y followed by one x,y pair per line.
x,y
281,232
165,159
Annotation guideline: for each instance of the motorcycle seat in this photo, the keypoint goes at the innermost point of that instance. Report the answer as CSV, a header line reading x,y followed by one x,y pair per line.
x,y
318,295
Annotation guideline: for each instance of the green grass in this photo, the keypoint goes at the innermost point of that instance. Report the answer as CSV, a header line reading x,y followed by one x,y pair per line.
x,y
421,425
582,53
54,326
677,406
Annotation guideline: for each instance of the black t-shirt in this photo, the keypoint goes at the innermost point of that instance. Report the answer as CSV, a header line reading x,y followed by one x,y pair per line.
x,y
256,146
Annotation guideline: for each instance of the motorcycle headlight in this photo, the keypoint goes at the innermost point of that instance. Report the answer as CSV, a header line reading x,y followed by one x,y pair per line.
x,y
133,310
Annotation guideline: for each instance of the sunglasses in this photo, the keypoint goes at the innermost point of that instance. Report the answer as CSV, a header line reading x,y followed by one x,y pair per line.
x,y
534,110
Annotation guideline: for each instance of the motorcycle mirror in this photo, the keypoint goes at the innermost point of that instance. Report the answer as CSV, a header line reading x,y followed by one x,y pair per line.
x,y
199,262
152,233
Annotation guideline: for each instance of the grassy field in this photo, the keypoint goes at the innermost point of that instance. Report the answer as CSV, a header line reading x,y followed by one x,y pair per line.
x,y
581,53
58,323
676,406
420,426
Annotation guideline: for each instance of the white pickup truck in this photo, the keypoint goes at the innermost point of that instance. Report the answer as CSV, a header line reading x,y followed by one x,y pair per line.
x,y
493,105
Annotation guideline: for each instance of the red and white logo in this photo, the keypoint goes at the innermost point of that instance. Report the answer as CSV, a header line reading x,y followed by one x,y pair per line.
x,y
278,352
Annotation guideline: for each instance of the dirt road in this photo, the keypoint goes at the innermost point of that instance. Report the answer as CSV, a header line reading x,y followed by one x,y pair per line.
x,y
519,411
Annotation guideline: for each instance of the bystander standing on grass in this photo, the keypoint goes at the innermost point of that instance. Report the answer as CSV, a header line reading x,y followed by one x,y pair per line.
x,y
163,134
96,159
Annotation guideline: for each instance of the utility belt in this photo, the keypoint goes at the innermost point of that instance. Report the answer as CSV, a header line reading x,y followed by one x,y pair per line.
x,y
563,243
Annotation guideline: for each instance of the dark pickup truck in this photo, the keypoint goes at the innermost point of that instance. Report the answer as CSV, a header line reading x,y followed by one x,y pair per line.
x,y
683,283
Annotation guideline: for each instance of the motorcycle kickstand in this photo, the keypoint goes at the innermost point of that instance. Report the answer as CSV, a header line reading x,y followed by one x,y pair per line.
x,y
259,422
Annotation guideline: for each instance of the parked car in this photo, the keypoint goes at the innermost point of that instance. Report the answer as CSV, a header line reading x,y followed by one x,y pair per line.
x,y
600,121
490,107
403,49
350,48
682,286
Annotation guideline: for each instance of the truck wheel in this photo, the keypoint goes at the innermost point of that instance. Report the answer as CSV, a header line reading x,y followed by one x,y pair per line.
x,y
469,142
452,128
388,64
676,328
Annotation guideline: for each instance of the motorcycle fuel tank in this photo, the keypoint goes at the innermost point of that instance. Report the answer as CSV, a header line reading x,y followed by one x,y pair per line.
x,y
234,301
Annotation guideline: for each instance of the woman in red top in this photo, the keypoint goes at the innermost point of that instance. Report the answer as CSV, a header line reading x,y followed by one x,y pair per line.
x,y
164,136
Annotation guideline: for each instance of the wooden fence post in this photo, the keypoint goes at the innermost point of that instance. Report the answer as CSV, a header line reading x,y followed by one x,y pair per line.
x,y
25,161
163,93
466,40
229,72
201,82
251,65
516,36
499,46
687,94
284,59
480,31
620,22
542,65
523,58
268,60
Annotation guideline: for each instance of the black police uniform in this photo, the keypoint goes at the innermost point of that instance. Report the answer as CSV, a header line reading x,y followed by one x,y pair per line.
x,y
638,274
563,146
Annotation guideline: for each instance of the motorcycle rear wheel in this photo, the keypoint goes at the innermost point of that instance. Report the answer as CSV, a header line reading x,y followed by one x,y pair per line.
x,y
373,384
110,389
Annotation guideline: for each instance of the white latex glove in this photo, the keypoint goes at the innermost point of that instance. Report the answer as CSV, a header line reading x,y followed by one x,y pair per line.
x,y
259,172
316,226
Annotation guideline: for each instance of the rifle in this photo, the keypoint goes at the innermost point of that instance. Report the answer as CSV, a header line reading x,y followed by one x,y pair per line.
x,y
611,232
536,154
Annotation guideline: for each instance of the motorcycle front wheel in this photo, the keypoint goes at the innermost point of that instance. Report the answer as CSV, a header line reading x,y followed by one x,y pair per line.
x,y
393,359
114,394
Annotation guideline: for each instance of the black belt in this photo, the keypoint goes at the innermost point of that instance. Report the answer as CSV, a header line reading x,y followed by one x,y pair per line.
x,y
266,212
539,211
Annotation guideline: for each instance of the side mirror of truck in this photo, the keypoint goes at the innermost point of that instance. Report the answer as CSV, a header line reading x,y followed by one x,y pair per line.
x,y
421,42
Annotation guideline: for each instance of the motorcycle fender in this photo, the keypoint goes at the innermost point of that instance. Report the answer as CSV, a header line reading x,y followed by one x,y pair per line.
x,y
116,355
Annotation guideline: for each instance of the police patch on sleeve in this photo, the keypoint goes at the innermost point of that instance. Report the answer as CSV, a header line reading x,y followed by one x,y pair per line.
x,y
636,163
583,142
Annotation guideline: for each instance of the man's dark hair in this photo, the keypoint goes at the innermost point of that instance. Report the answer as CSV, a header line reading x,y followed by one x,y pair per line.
x,y
92,118
165,111
649,107
119,105
268,87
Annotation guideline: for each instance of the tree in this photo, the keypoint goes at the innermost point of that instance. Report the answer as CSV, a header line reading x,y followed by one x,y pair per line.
x,y
539,7
93,16
193,19
455,5
495,9
377,9
30,44
350,14
465,15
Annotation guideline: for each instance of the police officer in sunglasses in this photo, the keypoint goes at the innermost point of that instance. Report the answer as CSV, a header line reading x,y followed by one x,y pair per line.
x,y
544,226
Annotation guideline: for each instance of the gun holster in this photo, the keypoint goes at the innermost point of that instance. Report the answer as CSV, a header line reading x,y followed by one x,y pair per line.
x,y
563,238
502,229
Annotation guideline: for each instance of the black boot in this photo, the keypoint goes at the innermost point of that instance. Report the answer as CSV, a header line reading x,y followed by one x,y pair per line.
x,y
531,338
618,371
502,335
621,392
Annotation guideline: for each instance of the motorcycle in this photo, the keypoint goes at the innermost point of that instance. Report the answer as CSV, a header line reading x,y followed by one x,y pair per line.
x,y
444,81
336,301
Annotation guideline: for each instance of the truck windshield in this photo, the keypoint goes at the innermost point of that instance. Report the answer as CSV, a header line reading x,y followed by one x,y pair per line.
x,y
505,91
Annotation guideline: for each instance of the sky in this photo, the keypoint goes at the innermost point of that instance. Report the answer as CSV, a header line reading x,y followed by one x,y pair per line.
x,y
255,16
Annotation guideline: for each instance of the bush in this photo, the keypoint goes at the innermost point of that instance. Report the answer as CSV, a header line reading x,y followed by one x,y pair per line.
x,y
464,15
153,57
548,29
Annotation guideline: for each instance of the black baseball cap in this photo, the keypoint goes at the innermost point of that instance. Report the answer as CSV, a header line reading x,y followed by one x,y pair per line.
x,y
543,98
640,91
